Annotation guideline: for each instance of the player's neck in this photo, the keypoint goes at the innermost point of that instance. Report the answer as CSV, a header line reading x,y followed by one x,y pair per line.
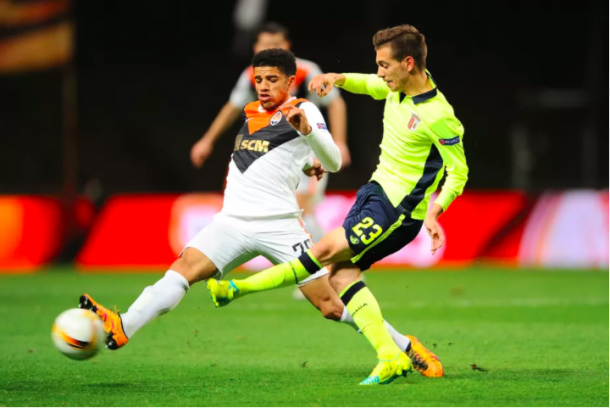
x,y
417,84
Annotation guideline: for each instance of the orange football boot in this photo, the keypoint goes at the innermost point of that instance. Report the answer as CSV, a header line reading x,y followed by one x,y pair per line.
x,y
424,360
113,324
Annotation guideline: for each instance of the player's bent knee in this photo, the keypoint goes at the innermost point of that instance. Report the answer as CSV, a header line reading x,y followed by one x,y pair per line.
x,y
343,274
332,311
332,248
194,265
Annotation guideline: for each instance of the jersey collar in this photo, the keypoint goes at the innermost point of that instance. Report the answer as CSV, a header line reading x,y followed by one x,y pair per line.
x,y
423,97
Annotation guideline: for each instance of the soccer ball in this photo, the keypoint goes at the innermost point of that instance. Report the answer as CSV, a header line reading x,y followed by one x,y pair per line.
x,y
78,334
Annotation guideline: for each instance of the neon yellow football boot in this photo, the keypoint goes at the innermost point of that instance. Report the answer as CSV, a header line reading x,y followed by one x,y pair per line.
x,y
222,292
389,370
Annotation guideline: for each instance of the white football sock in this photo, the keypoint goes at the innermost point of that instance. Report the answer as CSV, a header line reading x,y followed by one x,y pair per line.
x,y
347,318
313,227
401,341
155,301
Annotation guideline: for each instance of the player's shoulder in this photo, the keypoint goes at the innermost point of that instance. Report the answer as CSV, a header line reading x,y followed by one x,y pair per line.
x,y
306,105
298,102
440,116
252,108
434,105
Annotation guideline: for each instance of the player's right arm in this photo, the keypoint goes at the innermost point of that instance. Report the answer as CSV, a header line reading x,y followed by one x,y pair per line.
x,y
204,146
368,84
240,96
309,123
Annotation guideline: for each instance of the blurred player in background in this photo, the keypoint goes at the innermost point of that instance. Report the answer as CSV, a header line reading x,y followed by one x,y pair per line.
x,y
309,191
421,137
260,215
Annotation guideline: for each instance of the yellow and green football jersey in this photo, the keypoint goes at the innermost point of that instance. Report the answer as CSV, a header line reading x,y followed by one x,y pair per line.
x,y
421,137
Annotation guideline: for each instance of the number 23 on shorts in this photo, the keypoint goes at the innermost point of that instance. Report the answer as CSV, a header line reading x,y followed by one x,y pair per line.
x,y
366,223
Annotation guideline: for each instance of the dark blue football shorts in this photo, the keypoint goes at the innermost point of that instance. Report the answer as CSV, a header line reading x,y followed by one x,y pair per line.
x,y
375,228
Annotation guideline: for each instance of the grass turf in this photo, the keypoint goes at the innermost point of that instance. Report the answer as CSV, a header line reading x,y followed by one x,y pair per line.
x,y
541,338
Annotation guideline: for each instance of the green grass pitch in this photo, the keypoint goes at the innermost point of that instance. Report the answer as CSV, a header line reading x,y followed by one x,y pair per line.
x,y
538,337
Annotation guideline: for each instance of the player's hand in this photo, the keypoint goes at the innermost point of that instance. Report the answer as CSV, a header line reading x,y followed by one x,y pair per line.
x,y
346,158
316,170
297,119
201,151
322,84
435,232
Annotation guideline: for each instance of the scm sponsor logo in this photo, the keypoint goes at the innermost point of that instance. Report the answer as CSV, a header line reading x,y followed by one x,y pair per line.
x,y
255,145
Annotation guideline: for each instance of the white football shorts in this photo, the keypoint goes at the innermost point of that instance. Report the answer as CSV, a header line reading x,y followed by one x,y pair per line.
x,y
230,242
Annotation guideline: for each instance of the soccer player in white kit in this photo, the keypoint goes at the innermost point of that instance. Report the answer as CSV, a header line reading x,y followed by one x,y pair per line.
x,y
260,215
310,190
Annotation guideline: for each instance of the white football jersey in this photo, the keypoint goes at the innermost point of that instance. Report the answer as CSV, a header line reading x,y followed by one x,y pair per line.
x,y
268,159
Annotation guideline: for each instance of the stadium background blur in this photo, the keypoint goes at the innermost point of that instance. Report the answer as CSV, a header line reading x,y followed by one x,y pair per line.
x,y
100,100
100,103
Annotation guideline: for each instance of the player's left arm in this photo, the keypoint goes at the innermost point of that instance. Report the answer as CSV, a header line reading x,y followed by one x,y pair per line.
x,y
447,135
309,122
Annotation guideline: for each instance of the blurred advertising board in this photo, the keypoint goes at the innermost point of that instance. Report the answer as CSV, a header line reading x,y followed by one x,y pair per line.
x,y
30,232
33,229
564,229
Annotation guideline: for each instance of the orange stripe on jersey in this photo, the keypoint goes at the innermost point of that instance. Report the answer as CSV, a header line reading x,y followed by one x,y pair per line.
x,y
259,118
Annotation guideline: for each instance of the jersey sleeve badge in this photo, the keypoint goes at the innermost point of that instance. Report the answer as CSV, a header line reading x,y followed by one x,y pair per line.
x,y
449,142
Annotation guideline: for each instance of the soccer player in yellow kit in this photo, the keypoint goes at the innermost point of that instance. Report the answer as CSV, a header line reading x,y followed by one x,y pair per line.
x,y
421,138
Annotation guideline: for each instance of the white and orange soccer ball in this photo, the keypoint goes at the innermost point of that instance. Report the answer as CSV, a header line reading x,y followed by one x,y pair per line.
x,y
78,334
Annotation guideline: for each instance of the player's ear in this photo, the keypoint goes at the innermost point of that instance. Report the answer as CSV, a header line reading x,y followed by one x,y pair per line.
x,y
409,62
291,80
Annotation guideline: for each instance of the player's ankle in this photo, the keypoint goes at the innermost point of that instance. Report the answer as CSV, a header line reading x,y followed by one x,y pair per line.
x,y
242,287
388,352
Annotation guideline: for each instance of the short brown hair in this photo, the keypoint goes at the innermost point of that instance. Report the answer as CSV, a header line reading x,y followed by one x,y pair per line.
x,y
273,28
405,41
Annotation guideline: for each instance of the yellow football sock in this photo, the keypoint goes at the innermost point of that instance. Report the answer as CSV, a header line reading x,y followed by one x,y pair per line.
x,y
286,274
365,311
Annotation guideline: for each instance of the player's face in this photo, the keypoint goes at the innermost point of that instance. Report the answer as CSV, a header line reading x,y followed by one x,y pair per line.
x,y
266,41
272,86
395,73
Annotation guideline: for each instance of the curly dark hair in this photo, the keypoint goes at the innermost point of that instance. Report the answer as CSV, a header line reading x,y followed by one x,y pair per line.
x,y
278,58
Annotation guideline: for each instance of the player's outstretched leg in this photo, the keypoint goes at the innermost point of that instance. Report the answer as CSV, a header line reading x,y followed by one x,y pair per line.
x,y
365,311
278,276
287,273
155,300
